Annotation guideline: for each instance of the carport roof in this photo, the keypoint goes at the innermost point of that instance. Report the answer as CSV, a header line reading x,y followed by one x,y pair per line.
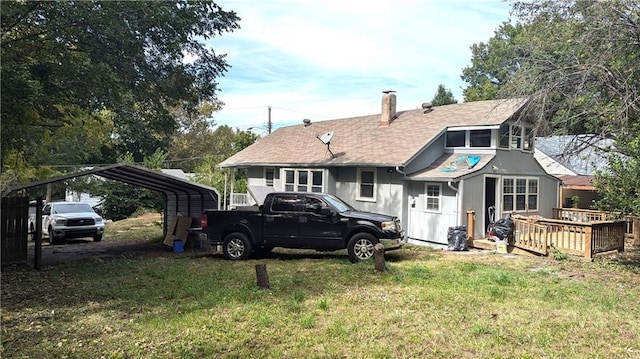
x,y
135,175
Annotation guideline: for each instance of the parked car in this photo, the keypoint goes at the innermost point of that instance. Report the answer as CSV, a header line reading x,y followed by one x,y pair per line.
x,y
62,220
317,221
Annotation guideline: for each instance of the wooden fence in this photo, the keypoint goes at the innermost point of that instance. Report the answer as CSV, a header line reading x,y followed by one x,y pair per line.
x,y
577,238
14,224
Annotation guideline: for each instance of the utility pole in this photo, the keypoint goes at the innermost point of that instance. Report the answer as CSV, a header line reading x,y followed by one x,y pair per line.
x,y
269,121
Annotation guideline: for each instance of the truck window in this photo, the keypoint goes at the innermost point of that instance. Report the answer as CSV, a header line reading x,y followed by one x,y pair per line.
x,y
286,203
313,205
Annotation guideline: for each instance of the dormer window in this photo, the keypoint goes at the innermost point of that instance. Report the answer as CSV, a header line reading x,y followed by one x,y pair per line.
x,y
480,138
456,138
469,136
516,137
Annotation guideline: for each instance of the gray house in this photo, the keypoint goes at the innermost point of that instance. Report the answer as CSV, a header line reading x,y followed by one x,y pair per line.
x,y
428,166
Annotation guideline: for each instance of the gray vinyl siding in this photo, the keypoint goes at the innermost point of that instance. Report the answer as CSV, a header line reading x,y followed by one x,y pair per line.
x,y
389,191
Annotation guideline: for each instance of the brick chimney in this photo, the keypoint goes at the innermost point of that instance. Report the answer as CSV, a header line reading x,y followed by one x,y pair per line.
x,y
388,108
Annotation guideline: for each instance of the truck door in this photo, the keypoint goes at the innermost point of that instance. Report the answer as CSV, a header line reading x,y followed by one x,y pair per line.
x,y
316,230
281,220
46,213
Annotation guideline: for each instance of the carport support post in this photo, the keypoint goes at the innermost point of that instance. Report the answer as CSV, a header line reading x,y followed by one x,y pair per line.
x,y
37,258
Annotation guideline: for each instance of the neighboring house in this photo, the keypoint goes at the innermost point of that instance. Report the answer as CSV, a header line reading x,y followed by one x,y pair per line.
x,y
574,159
428,166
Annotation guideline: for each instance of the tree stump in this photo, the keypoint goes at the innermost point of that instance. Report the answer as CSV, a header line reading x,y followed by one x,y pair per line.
x,y
378,258
262,277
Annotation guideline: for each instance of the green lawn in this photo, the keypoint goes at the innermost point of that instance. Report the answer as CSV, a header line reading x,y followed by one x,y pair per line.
x,y
429,304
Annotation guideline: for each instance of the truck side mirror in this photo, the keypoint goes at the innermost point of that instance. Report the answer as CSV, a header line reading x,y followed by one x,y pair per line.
x,y
326,211
261,208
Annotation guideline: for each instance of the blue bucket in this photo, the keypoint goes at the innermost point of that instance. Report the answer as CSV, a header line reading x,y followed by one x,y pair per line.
x,y
177,246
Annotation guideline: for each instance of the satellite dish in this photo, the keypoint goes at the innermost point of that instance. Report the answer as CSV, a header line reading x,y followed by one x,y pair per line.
x,y
326,138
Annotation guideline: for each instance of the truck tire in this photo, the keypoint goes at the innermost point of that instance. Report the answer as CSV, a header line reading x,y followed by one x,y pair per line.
x,y
236,246
97,237
360,247
52,239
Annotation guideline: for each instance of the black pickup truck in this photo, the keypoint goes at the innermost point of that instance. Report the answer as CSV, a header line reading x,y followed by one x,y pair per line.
x,y
317,221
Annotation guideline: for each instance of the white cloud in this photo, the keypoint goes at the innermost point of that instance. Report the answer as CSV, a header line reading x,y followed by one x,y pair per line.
x,y
331,59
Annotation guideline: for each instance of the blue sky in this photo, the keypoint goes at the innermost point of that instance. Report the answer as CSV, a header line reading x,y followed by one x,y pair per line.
x,y
333,58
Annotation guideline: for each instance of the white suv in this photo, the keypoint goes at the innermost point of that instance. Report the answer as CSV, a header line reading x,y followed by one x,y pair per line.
x,y
71,220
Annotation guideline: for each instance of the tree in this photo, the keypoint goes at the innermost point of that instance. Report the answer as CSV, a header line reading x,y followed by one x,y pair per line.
x,y
577,63
86,81
619,186
493,63
443,97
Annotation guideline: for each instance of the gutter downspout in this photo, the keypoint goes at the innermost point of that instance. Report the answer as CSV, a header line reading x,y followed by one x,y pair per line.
x,y
408,226
458,191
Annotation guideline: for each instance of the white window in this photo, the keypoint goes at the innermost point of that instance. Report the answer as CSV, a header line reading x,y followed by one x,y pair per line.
x,y
303,180
516,137
433,197
367,178
519,194
269,174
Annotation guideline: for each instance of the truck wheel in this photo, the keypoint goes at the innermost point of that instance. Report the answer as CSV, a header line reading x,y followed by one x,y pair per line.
x,y
52,238
97,237
360,247
32,232
236,246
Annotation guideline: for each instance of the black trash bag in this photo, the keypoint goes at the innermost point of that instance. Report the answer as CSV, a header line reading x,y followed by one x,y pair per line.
x,y
457,238
502,228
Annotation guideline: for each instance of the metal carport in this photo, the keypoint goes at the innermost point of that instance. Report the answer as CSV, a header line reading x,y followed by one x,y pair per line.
x,y
180,196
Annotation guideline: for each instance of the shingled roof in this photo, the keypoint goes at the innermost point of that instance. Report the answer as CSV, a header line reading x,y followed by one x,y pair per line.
x,y
362,141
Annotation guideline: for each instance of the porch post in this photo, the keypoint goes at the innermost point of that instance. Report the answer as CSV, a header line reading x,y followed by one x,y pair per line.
x,y
233,180
588,233
470,225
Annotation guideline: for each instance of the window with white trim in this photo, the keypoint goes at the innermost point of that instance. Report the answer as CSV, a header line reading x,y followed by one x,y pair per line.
x,y
433,197
516,137
519,194
269,175
367,178
303,180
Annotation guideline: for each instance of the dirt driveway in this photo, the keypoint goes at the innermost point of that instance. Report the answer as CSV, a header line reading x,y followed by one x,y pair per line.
x,y
83,249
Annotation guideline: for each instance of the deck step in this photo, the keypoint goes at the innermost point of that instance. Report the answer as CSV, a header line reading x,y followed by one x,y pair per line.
x,y
491,245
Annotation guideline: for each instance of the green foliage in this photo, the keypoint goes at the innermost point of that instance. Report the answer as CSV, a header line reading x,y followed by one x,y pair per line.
x,y
619,186
492,63
85,81
443,97
577,62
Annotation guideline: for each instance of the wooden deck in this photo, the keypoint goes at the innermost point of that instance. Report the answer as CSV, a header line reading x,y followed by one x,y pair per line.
x,y
538,236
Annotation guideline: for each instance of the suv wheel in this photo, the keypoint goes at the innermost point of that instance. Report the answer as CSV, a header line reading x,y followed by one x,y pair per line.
x,y
97,237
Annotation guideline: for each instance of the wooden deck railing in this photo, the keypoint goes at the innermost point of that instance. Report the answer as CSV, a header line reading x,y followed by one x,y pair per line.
x,y
588,215
577,238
